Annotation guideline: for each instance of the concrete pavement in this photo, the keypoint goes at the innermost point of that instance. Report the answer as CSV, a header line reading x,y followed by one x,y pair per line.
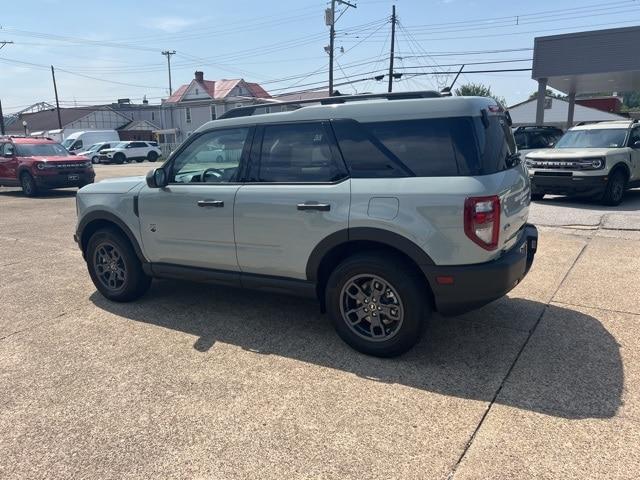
x,y
197,381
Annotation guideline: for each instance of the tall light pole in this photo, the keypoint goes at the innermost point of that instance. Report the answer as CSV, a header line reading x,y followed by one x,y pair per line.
x,y
168,54
330,19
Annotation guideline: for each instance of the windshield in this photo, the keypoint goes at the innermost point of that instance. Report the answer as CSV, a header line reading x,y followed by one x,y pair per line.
x,y
593,138
41,150
120,145
94,147
67,143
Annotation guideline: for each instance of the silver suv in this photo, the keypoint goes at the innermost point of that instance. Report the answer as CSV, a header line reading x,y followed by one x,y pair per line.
x,y
385,208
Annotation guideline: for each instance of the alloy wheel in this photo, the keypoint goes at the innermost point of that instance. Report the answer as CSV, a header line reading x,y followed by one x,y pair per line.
x,y
109,266
371,307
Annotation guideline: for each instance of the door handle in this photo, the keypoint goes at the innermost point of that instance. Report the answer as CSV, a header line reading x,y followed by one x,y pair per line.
x,y
322,207
211,203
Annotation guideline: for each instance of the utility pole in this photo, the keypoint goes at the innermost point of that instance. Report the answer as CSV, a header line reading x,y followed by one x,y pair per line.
x,y
55,90
168,53
330,18
393,42
1,120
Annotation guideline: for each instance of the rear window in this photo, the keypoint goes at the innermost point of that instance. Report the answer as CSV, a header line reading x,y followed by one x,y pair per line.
x,y
497,147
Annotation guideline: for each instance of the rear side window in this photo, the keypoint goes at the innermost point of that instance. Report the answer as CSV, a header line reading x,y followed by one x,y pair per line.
x,y
496,143
297,153
424,148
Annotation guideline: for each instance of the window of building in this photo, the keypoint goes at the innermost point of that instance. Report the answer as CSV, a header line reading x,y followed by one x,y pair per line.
x,y
187,112
153,116
213,112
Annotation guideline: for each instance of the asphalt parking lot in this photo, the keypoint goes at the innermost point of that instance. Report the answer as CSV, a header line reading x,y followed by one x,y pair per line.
x,y
198,381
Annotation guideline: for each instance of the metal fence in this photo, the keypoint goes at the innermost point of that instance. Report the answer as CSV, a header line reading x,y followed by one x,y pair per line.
x,y
167,148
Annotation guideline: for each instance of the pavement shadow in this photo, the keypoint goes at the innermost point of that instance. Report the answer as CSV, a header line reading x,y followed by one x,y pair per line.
x,y
42,194
571,372
630,203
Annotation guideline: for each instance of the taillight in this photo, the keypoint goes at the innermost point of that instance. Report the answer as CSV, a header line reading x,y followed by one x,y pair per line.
x,y
482,221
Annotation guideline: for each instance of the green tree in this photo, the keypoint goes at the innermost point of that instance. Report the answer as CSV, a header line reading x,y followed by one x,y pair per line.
x,y
478,90
548,93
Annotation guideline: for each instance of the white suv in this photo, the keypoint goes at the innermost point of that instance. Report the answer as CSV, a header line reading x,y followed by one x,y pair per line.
x,y
126,151
601,160
382,207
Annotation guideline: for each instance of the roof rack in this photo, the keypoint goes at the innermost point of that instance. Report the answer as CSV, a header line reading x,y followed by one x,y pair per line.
x,y
537,127
6,137
338,99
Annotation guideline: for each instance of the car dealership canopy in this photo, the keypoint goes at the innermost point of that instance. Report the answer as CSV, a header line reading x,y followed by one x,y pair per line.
x,y
586,62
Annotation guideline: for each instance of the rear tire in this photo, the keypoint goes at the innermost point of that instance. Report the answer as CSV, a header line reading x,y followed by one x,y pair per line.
x,y
614,191
536,197
114,266
28,184
377,303
119,158
152,156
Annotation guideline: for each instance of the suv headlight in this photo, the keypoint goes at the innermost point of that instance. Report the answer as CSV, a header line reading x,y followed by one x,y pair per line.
x,y
597,163
44,166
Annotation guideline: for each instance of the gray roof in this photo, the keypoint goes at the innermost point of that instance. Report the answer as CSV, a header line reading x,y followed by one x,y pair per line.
x,y
48,119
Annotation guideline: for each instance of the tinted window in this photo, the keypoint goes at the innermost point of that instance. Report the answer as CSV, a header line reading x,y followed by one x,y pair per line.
x,y
521,139
138,145
496,143
634,137
434,147
363,154
297,153
212,157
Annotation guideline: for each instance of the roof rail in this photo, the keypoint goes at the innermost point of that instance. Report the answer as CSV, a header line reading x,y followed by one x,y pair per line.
x,y
5,137
296,104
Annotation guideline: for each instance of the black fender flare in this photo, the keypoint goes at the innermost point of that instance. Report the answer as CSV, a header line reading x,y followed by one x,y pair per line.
x,y
378,235
102,215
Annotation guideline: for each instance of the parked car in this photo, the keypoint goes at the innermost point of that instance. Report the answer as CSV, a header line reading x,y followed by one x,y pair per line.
x,y
384,211
128,151
93,152
39,163
536,137
79,141
600,160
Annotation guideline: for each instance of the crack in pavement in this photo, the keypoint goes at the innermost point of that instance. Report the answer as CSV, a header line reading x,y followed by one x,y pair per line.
x,y
513,364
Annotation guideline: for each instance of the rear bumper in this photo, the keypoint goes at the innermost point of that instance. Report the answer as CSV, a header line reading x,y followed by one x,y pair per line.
x,y
568,184
476,285
66,179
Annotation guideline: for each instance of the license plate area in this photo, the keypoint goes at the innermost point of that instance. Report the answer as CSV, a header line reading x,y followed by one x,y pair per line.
x,y
73,177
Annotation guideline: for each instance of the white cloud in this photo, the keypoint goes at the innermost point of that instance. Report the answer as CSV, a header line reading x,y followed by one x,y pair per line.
x,y
171,24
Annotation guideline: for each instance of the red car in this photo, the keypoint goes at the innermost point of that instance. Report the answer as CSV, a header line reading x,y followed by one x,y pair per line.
x,y
39,163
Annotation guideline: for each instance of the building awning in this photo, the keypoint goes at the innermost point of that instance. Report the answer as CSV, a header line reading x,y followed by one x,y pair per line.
x,y
589,62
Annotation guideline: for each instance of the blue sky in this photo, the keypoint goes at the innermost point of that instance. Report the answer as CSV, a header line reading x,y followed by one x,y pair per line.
x,y
108,50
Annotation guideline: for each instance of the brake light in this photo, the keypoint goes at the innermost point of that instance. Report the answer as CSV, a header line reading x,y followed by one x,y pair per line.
x,y
482,221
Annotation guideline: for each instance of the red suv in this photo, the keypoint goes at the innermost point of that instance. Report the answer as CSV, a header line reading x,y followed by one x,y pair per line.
x,y
39,163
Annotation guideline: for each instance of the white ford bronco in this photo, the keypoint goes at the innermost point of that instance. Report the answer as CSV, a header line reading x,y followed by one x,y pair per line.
x,y
384,208
600,160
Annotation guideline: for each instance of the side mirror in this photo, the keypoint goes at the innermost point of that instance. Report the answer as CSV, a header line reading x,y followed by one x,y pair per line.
x,y
157,178
636,144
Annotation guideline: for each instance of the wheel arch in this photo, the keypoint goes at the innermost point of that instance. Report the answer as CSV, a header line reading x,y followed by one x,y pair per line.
x,y
339,245
621,166
96,220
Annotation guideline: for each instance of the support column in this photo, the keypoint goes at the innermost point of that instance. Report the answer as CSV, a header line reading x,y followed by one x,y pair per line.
x,y
572,106
542,92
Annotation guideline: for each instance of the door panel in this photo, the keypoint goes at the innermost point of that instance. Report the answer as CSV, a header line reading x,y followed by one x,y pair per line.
x,y
8,165
190,222
176,229
276,237
298,195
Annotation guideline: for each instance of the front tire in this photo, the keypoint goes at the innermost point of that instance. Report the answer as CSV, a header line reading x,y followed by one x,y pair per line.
x,y
114,266
95,160
119,158
377,303
28,184
614,191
